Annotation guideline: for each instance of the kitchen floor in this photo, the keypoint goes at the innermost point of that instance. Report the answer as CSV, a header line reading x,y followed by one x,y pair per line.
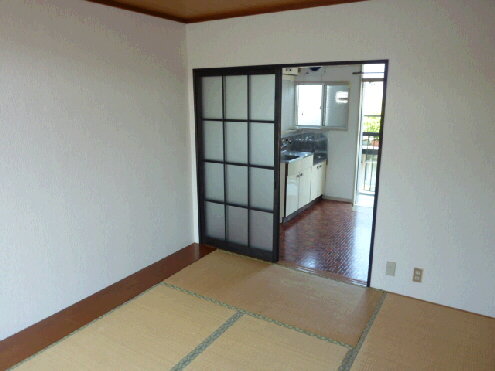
x,y
331,239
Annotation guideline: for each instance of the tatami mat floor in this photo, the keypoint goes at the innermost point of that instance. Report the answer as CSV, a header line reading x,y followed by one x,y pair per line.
x,y
333,309
227,312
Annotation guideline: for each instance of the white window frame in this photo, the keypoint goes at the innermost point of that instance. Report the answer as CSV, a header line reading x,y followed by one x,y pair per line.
x,y
324,85
296,114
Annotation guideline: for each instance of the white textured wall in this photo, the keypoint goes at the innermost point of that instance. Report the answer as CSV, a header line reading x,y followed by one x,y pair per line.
x,y
95,177
436,208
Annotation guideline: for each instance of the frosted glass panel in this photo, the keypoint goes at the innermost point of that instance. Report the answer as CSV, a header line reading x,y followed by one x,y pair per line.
x,y
236,143
237,187
337,106
212,97
236,97
261,151
261,230
262,96
309,104
261,188
213,136
214,181
237,159
215,220
237,222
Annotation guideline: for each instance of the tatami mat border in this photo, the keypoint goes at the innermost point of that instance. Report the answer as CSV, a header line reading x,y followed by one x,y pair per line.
x,y
346,363
184,362
352,353
256,315
314,274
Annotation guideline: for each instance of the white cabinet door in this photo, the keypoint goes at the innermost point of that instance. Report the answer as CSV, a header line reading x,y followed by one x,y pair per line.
x,y
292,194
323,177
283,174
317,180
299,180
304,187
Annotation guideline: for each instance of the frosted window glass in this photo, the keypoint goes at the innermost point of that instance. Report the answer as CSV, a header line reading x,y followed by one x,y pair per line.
x,y
237,178
213,137
214,181
215,220
309,104
261,151
237,222
236,143
236,97
262,95
212,97
337,106
261,188
261,230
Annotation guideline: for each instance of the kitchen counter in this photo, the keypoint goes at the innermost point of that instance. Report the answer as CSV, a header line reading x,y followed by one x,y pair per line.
x,y
301,144
319,158
287,157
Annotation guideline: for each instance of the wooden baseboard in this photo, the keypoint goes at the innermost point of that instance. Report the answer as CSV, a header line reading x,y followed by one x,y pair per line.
x,y
346,200
27,342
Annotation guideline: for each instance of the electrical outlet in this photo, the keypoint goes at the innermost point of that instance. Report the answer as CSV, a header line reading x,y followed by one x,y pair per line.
x,y
390,269
418,275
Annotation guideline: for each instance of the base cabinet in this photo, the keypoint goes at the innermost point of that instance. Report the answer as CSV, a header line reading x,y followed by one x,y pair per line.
x,y
304,182
304,188
292,194
318,174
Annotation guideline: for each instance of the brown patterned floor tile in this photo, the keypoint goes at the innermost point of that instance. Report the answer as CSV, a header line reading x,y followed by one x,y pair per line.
x,y
329,237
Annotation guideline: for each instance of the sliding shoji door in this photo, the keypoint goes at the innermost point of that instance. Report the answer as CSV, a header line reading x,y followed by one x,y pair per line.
x,y
237,135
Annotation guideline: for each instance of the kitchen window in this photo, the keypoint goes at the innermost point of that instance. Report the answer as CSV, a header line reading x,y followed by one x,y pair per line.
x,y
322,105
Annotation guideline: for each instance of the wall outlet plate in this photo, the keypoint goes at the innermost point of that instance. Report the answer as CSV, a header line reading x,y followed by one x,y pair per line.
x,y
390,269
418,274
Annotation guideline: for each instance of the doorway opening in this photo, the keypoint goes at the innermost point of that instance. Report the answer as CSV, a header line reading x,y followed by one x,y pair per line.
x,y
331,131
279,175
369,138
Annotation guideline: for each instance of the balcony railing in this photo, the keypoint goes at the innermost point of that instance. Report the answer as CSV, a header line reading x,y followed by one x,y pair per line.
x,y
370,143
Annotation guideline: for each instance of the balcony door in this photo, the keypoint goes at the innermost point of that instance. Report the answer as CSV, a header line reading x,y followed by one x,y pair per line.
x,y
237,139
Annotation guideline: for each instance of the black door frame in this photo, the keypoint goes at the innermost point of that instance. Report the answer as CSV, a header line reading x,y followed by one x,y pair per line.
x,y
201,72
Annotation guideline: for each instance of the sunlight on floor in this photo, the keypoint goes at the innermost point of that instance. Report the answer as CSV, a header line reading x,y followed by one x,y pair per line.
x,y
365,200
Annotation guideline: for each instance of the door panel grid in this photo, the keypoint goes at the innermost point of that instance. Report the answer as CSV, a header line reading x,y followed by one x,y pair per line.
x,y
238,123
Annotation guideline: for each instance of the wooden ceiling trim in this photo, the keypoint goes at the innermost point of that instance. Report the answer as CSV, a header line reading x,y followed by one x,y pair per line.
x,y
268,9
137,9
224,15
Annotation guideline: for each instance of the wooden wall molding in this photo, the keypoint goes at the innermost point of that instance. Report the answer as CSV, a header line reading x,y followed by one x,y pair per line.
x,y
216,13
267,9
137,9
31,340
